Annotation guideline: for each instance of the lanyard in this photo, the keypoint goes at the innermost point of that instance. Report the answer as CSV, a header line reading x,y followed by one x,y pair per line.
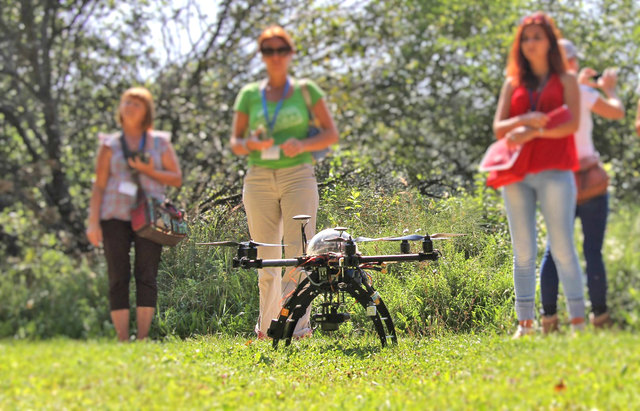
x,y
143,142
125,148
533,103
271,123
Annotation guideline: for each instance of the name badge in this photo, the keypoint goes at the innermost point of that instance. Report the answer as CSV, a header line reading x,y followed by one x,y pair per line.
x,y
128,188
272,153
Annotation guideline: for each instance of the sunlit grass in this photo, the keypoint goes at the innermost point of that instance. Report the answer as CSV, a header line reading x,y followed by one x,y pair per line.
x,y
590,371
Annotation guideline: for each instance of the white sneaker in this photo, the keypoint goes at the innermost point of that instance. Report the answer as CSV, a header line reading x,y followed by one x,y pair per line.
x,y
523,332
578,328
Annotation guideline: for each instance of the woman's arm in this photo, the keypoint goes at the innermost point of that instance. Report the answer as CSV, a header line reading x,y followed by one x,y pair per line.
x,y
638,119
521,135
502,123
94,232
572,100
242,146
328,133
610,107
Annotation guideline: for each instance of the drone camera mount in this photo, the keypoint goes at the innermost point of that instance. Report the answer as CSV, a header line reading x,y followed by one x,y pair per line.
x,y
331,321
329,318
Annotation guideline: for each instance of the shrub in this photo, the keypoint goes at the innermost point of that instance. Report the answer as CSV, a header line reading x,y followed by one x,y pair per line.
x,y
45,292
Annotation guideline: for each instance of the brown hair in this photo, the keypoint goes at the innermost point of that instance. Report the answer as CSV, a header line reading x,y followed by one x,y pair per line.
x,y
144,95
518,68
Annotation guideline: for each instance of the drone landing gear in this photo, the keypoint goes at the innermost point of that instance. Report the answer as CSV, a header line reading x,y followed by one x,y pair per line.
x,y
355,284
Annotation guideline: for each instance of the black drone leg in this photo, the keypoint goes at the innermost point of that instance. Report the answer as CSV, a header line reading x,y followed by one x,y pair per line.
x,y
384,313
296,306
299,309
291,312
386,317
363,294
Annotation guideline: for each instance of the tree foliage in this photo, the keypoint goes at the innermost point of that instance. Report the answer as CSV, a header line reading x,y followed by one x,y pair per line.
x,y
412,84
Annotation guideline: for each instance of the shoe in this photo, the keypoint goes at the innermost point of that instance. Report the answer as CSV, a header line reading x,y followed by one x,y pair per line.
x,y
577,325
523,331
262,336
303,333
601,321
549,324
308,334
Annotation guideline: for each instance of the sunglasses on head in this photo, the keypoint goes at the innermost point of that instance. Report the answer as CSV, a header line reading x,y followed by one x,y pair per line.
x,y
534,19
280,51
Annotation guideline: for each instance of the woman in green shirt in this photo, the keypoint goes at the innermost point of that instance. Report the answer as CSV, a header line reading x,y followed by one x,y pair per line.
x,y
271,125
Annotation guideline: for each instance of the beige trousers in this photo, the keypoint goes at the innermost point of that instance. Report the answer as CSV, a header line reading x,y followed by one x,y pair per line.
x,y
271,198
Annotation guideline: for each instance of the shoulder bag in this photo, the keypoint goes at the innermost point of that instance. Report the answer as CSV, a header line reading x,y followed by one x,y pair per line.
x,y
591,180
314,126
153,219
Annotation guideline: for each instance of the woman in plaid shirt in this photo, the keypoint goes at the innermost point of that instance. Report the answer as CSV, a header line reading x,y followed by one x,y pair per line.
x,y
114,194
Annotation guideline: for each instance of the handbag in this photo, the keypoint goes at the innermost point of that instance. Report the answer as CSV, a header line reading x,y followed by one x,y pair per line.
x,y
153,219
592,179
499,160
314,126
499,156
158,221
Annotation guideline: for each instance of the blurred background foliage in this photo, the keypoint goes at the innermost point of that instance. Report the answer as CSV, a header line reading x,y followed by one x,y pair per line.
x,y
412,85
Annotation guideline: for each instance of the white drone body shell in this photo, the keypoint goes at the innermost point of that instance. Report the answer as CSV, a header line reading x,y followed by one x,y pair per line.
x,y
318,245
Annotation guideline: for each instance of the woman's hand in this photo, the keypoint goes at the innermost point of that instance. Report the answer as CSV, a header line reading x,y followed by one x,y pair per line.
x,y
586,77
94,234
253,143
137,164
292,147
519,135
608,80
535,119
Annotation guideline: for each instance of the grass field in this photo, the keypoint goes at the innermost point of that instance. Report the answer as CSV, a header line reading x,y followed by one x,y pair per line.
x,y
589,371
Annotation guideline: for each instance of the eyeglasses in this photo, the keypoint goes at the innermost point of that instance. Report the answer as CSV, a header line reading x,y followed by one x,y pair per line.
x,y
280,51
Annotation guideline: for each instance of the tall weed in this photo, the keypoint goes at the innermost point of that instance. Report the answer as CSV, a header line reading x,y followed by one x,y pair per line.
x,y
45,292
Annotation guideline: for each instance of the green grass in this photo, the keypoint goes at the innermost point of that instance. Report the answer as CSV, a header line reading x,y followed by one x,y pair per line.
x,y
488,371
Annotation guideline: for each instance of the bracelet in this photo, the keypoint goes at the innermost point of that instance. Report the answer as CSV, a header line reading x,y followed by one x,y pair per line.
x,y
243,143
540,131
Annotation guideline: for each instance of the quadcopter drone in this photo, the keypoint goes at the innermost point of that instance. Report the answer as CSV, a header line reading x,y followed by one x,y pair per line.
x,y
334,267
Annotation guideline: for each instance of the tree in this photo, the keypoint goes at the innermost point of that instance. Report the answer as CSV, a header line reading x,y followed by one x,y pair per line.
x,y
412,85
58,71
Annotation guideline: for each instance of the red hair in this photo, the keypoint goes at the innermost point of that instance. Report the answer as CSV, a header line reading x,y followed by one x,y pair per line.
x,y
518,68
276,31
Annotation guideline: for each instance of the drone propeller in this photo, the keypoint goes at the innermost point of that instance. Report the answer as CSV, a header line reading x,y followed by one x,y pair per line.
x,y
417,237
445,236
249,243
355,240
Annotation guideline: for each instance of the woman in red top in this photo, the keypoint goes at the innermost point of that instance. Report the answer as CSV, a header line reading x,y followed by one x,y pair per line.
x,y
537,83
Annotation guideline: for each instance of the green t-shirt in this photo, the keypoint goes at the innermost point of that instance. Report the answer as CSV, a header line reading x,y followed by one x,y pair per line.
x,y
292,120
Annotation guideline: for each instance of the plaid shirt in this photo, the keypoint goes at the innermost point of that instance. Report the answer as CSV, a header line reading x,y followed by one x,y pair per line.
x,y
116,204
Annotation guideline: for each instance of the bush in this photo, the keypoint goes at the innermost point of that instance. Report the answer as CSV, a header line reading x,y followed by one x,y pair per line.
x,y
46,292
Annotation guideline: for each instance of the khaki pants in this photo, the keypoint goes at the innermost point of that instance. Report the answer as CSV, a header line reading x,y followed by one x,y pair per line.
x,y
271,198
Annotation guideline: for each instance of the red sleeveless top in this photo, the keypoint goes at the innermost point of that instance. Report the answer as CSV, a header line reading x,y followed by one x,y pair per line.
x,y
539,154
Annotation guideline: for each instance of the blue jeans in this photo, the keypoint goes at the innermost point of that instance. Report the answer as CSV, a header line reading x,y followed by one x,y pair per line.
x,y
555,191
593,216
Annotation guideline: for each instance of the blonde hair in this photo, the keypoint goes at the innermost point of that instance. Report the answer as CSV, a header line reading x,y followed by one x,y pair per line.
x,y
144,95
